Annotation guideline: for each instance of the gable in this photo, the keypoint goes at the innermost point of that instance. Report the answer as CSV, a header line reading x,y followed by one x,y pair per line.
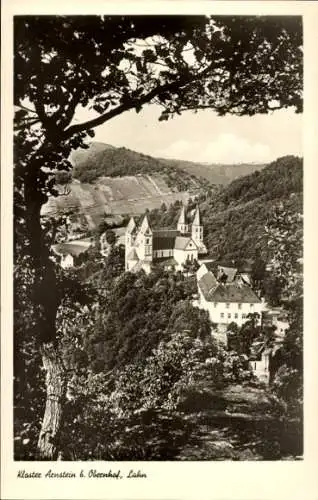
x,y
191,245
185,243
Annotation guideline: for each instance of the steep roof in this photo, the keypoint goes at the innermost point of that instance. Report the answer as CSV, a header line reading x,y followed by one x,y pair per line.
x,y
164,239
196,219
182,242
145,226
209,265
182,219
230,272
131,225
70,248
232,292
208,284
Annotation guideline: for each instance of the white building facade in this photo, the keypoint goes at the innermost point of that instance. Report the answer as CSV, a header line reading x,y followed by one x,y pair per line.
x,y
145,246
226,300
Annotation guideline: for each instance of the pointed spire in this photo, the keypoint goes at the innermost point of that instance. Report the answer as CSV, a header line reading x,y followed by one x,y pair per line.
x,y
182,218
196,219
145,226
131,225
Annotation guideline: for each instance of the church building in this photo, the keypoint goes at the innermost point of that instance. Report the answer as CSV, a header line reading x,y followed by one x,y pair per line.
x,y
146,246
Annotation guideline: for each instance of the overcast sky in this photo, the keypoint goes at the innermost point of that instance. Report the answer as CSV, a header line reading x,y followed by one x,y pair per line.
x,y
205,137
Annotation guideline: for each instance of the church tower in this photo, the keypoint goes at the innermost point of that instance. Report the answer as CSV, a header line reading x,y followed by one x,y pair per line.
x,y
129,238
144,240
130,233
197,228
182,225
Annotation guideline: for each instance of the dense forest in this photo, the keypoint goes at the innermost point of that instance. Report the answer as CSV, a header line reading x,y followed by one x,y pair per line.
x,y
234,217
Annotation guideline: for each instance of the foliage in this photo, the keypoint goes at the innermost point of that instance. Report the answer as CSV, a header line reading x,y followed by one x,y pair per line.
x,y
29,390
258,273
190,266
240,339
137,311
114,264
111,414
63,177
234,218
195,321
238,65
226,52
168,217
285,240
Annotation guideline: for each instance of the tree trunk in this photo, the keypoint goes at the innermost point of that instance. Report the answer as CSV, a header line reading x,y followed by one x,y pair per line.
x,y
46,300
48,443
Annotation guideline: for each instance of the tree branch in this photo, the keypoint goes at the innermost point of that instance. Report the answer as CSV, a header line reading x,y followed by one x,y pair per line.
x,y
95,122
25,108
70,110
27,123
167,87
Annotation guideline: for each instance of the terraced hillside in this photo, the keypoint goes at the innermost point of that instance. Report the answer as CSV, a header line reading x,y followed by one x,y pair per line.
x,y
102,160
130,195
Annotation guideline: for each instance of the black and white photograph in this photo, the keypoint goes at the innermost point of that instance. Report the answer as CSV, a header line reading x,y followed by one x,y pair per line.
x,y
158,238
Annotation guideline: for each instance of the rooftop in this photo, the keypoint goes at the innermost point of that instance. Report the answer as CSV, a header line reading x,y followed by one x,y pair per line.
x,y
182,242
164,239
214,291
208,284
229,272
71,248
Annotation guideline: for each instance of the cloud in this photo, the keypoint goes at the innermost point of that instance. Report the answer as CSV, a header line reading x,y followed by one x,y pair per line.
x,y
225,148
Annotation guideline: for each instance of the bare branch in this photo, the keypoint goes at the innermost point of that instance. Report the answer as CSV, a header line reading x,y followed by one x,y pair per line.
x,y
27,123
123,107
167,87
25,108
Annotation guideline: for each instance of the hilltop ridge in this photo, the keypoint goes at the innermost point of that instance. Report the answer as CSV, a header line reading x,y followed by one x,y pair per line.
x,y
106,160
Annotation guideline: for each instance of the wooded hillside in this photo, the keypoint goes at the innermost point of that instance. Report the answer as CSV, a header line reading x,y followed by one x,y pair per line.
x,y
107,161
234,219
